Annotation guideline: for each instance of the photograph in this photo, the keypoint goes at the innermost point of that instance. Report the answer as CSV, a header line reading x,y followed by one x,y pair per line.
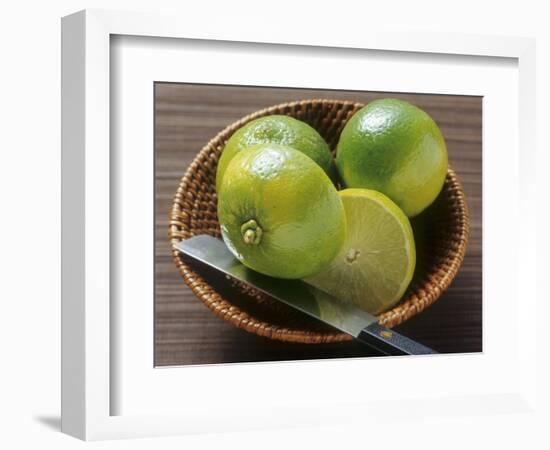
x,y
301,224
296,226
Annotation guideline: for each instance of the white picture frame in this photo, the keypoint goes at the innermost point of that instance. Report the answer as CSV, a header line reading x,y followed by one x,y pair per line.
x,y
88,331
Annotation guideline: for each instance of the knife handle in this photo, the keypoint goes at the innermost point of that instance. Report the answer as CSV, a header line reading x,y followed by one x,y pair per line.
x,y
391,343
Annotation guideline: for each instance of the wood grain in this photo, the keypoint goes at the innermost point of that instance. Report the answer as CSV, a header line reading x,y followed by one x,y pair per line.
x,y
186,332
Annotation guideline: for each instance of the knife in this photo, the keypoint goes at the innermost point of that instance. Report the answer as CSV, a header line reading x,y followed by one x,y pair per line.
x,y
211,254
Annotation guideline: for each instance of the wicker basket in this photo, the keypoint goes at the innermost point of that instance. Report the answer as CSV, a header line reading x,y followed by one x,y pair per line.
x,y
441,234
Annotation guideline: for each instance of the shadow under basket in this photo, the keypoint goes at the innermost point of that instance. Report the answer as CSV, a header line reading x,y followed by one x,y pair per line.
x,y
441,235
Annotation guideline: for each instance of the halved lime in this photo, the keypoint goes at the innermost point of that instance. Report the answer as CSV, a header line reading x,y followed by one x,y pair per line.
x,y
377,260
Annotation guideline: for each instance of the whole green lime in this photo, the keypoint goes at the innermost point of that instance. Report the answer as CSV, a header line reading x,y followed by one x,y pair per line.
x,y
276,129
279,213
395,148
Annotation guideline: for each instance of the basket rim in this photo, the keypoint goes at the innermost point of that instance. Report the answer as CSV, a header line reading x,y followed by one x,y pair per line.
x,y
223,308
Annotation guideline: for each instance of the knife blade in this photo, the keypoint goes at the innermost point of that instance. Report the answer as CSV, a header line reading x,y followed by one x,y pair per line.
x,y
212,254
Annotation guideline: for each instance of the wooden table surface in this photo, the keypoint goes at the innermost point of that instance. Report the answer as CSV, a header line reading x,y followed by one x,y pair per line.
x,y
186,332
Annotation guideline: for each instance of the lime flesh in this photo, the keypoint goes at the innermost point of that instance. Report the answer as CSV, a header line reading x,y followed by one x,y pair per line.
x,y
376,262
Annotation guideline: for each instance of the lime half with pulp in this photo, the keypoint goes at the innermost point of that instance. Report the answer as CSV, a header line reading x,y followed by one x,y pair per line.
x,y
377,260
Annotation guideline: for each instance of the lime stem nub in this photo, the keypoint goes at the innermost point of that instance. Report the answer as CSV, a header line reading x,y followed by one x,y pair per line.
x,y
251,232
249,236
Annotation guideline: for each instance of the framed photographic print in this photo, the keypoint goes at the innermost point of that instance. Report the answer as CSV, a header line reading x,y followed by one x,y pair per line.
x,y
252,218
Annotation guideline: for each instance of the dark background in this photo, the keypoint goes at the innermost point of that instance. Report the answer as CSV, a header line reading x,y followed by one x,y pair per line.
x,y
186,332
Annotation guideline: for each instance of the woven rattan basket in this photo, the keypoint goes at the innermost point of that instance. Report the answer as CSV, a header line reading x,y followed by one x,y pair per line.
x,y
441,235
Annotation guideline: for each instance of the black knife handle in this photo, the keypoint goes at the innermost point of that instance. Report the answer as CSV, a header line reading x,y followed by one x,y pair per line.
x,y
391,343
